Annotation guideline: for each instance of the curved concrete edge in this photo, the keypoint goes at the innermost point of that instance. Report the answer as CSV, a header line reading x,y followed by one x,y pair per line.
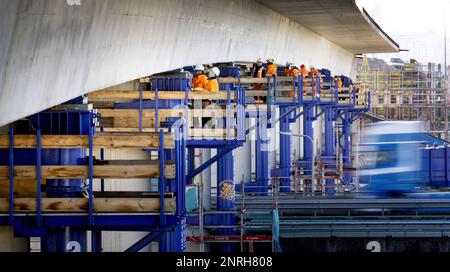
x,y
389,40
57,52
340,21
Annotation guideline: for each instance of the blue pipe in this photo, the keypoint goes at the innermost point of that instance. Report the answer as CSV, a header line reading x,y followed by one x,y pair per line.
x,y
225,197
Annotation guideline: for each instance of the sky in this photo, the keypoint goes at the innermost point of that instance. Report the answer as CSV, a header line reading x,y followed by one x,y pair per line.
x,y
417,25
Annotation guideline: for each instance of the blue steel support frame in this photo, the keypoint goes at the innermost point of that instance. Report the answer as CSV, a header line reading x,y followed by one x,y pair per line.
x,y
330,142
156,109
222,152
144,242
262,156
191,163
347,130
161,185
179,237
285,150
52,227
97,241
308,149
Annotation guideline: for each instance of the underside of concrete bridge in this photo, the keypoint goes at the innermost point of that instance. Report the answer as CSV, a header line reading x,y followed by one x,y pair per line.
x,y
56,50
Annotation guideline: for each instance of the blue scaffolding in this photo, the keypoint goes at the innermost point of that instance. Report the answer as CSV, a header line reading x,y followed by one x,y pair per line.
x,y
165,109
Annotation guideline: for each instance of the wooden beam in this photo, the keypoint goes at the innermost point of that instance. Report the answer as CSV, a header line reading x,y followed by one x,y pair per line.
x,y
192,132
126,118
104,104
22,187
163,113
80,205
163,95
148,170
80,107
150,140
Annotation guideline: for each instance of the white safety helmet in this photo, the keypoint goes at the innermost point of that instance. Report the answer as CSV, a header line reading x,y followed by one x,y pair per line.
x,y
199,67
216,71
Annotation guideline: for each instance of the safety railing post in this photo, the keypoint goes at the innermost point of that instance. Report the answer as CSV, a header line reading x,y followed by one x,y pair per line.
x,y
162,219
141,128
156,109
228,118
336,92
38,178
274,77
186,107
102,158
91,171
11,175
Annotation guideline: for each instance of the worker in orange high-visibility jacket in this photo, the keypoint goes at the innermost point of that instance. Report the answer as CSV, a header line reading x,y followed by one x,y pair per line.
x,y
271,67
287,71
291,70
314,74
294,71
212,85
304,72
259,71
199,80
339,83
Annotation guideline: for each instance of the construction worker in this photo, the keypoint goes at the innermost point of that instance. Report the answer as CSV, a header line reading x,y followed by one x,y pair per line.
x,y
212,84
287,71
199,80
314,74
339,83
271,67
259,71
304,72
291,70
